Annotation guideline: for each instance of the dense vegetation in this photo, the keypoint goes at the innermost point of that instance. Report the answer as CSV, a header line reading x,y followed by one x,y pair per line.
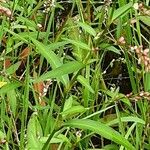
x,y
74,75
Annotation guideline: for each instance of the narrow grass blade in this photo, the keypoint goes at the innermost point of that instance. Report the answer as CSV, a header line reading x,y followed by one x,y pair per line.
x,y
126,119
128,133
85,83
16,35
78,43
120,11
101,129
87,28
56,45
145,19
13,68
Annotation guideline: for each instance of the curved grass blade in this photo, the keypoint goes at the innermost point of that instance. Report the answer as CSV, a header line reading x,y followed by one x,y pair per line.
x,y
85,83
87,28
78,43
121,11
126,119
101,129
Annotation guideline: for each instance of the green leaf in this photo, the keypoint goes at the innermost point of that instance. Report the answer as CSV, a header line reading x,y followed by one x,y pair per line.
x,y
12,101
101,129
8,87
58,139
68,103
85,83
74,110
121,11
113,49
147,81
127,119
110,147
12,69
51,57
34,132
109,47
56,45
145,19
19,37
78,43
2,135
87,28
27,22
67,68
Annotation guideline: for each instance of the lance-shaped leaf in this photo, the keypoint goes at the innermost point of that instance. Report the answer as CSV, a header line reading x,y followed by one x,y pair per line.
x,y
101,129
51,57
64,69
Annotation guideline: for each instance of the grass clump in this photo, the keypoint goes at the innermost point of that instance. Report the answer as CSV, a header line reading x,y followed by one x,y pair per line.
x,y
74,75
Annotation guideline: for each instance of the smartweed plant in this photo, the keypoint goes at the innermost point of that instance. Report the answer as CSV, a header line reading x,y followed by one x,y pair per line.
x,y
74,75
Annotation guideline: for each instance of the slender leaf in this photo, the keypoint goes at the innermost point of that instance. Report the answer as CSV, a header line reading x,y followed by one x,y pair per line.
x,y
67,68
101,129
73,111
120,11
51,57
127,119
87,28
85,83
145,19
78,43
8,87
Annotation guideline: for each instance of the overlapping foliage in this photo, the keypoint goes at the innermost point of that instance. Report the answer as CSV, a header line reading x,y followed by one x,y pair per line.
x,y
74,75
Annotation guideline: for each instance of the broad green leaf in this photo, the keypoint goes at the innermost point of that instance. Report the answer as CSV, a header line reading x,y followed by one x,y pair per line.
x,y
87,28
12,69
101,129
34,132
85,83
74,110
52,58
8,87
126,119
67,68
78,43
120,11
145,19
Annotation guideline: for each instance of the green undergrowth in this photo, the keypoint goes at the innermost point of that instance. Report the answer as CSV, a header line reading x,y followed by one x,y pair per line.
x,y
73,75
